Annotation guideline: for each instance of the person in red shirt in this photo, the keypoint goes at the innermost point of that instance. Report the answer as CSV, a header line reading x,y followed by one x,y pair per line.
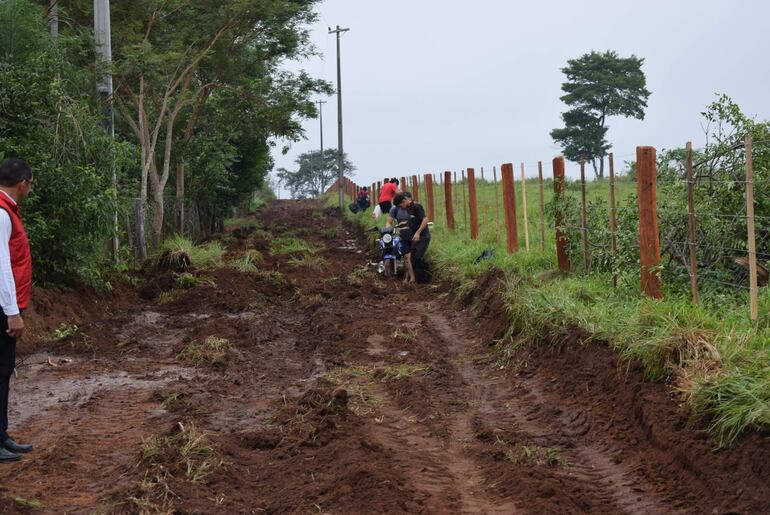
x,y
15,286
387,192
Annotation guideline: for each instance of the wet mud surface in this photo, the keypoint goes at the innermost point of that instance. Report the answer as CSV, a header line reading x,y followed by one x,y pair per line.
x,y
309,385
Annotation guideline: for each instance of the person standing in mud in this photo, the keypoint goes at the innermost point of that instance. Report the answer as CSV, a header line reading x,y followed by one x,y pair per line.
x,y
418,234
15,286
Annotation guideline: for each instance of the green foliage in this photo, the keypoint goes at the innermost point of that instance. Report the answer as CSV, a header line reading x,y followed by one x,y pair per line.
x,y
291,245
599,85
51,120
315,173
208,255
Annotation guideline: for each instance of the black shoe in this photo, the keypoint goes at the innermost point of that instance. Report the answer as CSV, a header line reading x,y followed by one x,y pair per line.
x,y
12,446
6,455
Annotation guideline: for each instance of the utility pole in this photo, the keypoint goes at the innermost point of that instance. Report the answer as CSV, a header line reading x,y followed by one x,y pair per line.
x,y
321,119
53,19
340,154
103,40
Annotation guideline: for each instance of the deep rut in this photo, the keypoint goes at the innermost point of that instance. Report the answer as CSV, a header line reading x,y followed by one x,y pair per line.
x,y
344,393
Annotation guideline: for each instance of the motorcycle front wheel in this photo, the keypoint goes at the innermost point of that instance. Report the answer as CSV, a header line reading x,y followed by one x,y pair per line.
x,y
390,268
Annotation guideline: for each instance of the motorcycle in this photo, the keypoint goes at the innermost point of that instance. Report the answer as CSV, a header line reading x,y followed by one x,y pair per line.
x,y
391,251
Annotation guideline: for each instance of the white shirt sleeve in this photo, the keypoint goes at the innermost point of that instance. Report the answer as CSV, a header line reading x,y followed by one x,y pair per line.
x,y
7,282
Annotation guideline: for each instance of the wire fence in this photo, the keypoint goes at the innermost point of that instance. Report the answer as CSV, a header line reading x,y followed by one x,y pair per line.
x,y
687,219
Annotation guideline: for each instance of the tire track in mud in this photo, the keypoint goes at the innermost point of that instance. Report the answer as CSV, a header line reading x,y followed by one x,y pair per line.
x,y
341,393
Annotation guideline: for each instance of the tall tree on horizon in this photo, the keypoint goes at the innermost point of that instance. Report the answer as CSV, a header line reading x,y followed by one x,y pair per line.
x,y
599,85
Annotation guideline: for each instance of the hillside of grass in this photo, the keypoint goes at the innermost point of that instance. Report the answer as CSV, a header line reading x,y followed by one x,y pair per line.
x,y
713,354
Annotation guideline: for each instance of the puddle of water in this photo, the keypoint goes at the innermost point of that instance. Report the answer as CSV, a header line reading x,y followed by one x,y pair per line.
x,y
40,387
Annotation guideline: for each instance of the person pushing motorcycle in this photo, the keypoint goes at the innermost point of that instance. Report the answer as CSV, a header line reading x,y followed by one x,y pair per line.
x,y
415,235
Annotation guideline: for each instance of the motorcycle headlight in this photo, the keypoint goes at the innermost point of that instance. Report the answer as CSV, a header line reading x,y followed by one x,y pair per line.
x,y
387,238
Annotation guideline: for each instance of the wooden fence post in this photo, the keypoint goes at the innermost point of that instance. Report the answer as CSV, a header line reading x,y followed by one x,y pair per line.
x,y
497,204
583,218
448,207
415,188
524,207
558,194
472,207
542,204
465,202
613,222
482,173
754,304
429,197
691,226
509,201
649,242
456,199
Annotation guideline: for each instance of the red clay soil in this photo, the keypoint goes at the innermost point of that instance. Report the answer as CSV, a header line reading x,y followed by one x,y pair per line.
x,y
311,385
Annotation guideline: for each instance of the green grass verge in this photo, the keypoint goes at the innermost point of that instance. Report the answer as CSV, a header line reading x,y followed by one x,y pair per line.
x,y
208,255
713,353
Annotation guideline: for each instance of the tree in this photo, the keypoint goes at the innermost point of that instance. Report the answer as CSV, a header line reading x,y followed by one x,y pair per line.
x,y
599,85
172,55
314,175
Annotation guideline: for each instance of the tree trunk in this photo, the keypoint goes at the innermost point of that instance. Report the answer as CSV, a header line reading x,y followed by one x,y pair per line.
x,y
157,216
180,197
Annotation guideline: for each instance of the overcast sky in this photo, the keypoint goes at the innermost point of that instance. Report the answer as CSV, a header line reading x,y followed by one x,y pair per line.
x,y
433,85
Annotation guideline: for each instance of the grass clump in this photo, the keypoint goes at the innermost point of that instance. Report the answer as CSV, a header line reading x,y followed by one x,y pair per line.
x,y
183,455
179,254
406,334
521,454
248,262
212,350
291,245
28,503
311,262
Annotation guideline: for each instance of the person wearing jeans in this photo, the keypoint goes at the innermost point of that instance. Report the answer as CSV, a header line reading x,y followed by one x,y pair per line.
x,y
15,287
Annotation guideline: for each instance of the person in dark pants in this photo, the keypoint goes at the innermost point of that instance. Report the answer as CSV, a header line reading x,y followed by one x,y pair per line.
x,y
420,235
15,286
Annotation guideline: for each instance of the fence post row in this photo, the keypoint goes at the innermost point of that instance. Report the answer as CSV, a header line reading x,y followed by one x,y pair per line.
x,y
472,207
509,203
558,194
649,243
429,197
754,304
448,206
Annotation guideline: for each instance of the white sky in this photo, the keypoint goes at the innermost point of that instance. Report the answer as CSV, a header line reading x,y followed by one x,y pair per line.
x,y
433,85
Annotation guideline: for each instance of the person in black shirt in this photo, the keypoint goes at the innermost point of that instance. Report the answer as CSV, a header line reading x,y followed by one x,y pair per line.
x,y
418,234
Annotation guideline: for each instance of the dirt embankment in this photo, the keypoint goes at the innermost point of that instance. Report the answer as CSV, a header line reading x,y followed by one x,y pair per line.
x,y
308,384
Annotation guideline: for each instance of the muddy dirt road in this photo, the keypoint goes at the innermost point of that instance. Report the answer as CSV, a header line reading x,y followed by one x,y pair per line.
x,y
308,385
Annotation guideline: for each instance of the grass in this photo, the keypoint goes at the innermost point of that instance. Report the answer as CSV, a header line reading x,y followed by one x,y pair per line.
x,y
406,334
176,248
185,454
212,350
713,354
291,245
28,503
521,454
248,262
383,372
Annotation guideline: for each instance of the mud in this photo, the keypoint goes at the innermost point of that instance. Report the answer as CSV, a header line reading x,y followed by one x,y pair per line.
x,y
337,392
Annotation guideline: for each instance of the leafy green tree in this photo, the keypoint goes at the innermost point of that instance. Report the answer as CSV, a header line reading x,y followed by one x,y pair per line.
x,y
599,85
314,173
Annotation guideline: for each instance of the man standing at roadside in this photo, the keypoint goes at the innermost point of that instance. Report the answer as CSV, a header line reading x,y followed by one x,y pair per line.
x,y
15,286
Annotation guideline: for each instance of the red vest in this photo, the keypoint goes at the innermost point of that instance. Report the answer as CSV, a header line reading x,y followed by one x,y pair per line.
x,y
21,257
